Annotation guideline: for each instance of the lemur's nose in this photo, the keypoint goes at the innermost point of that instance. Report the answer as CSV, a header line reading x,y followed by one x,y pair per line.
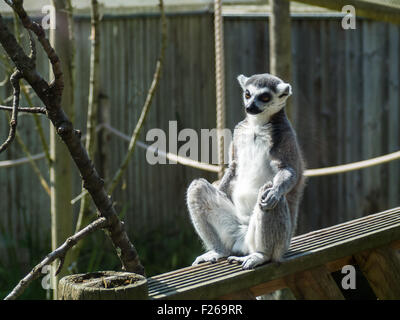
x,y
252,109
251,105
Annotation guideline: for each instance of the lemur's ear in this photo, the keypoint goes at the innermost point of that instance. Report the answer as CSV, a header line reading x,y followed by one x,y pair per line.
x,y
242,80
284,89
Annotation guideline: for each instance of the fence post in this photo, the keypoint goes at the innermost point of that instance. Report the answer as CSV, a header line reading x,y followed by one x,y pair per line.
x,y
280,54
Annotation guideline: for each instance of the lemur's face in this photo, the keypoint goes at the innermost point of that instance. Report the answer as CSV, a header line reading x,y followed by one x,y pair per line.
x,y
264,93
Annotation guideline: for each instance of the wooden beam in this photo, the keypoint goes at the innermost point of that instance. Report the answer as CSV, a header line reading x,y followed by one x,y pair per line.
x,y
314,284
278,284
332,247
363,8
61,166
239,295
381,267
280,54
268,287
395,244
338,264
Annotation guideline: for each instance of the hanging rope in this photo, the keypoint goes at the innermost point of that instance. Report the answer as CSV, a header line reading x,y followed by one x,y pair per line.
x,y
213,168
220,83
353,166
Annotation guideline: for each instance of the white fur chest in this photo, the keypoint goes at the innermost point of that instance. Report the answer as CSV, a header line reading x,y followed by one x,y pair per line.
x,y
253,145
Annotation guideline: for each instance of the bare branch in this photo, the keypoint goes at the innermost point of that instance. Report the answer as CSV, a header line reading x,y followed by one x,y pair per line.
x,y
15,77
38,124
72,46
147,103
93,104
32,55
23,62
59,253
25,89
35,168
94,80
37,29
36,110
51,98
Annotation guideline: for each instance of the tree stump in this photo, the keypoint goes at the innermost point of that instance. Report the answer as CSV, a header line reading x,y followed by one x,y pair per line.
x,y
103,285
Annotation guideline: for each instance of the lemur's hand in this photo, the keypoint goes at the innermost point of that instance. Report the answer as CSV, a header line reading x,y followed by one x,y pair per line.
x,y
268,197
233,165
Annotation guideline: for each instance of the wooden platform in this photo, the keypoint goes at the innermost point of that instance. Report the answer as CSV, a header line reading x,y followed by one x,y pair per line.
x,y
306,267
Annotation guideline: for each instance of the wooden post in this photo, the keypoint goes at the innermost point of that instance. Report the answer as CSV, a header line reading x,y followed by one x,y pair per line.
x,y
280,54
315,284
60,170
103,285
381,267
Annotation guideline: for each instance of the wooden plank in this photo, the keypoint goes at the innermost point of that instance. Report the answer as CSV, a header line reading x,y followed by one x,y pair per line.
x,y
319,235
353,110
395,245
268,287
394,113
364,8
338,264
381,267
231,281
314,284
371,145
331,239
240,295
278,284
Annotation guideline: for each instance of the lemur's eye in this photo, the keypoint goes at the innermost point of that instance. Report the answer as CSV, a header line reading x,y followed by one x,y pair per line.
x,y
247,94
265,97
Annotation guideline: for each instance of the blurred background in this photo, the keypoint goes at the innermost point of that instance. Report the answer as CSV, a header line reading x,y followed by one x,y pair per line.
x,y
345,108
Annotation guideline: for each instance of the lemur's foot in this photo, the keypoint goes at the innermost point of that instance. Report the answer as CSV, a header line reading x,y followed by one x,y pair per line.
x,y
251,261
210,256
268,197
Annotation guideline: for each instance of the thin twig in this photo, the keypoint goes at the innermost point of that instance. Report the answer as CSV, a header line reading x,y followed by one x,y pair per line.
x,y
59,253
25,90
35,110
147,103
37,29
35,168
15,77
39,126
93,104
72,46
50,95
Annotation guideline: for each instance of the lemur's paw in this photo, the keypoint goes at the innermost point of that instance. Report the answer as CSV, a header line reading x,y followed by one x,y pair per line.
x,y
249,262
210,256
268,197
234,259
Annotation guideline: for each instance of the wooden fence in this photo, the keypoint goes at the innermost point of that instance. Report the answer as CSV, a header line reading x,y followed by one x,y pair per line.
x,y
345,108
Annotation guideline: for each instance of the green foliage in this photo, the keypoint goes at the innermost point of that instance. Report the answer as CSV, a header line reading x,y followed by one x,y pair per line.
x,y
159,250
162,251
21,252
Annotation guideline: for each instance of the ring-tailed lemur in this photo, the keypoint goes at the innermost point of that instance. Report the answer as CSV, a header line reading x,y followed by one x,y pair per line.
x,y
252,213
